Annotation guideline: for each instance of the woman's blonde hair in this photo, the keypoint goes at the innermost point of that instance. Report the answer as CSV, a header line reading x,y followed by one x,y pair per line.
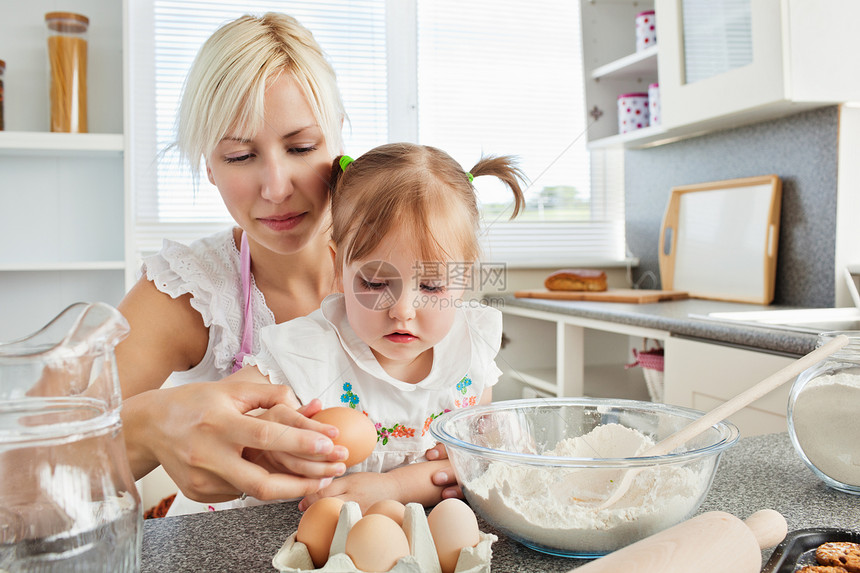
x,y
417,189
226,85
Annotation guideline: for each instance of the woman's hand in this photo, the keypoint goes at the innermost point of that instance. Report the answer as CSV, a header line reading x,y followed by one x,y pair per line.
x,y
276,461
445,477
199,433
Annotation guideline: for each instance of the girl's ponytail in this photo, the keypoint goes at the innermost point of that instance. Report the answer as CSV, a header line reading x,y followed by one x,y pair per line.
x,y
504,167
336,173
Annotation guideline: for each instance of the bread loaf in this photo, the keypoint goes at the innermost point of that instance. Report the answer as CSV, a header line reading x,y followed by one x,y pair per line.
x,y
576,279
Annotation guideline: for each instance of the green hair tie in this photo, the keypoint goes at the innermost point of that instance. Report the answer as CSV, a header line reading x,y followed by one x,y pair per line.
x,y
344,162
470,176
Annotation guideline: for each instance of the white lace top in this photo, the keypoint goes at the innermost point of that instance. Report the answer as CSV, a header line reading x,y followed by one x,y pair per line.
x,y
208,269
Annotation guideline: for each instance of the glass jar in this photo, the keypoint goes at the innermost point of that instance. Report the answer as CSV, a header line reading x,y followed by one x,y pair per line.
x,y
823,420
67,55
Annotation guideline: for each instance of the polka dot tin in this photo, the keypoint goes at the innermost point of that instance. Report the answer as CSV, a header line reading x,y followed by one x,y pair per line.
x,y
654,104
632,112
646,30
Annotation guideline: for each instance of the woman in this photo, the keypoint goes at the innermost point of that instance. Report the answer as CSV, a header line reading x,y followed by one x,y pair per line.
x,y
262,108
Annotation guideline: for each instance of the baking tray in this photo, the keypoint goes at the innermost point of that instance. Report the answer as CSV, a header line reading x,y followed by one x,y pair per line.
x,y
798,547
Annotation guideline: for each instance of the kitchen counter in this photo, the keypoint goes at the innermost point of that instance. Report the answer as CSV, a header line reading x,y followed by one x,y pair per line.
x,y
759,472
679,319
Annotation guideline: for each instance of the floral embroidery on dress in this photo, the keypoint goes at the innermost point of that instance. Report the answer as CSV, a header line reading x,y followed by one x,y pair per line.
x,y
463,384
430,419
463,387
348,397
466,402
397,431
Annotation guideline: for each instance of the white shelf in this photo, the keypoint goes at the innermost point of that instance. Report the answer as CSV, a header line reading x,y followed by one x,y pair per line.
x,y
63,266
59,144
645,137
540,378
638,64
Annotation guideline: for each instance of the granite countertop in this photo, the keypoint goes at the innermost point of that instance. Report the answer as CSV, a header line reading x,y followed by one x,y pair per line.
x,y
680,319
759,472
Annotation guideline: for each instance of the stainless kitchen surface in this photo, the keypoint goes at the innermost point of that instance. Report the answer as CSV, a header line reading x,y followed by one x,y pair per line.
x,y
812,320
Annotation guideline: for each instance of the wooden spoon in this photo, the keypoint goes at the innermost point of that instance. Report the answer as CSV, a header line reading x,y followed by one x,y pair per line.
x,y
726,409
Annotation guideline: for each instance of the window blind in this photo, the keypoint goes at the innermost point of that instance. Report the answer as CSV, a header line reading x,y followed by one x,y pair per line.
x,y
168,203
500,77
505,78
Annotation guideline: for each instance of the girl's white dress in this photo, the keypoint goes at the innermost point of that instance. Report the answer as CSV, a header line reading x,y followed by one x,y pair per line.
x,y
320,356
343,372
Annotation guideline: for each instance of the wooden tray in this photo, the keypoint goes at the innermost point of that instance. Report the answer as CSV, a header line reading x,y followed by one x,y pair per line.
x,y
719,240
610,295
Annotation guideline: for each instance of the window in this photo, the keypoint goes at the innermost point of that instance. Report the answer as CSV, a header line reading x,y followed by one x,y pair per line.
x,y
485,76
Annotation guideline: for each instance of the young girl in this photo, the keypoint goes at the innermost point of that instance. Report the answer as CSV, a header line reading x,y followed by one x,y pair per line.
x,y
399,344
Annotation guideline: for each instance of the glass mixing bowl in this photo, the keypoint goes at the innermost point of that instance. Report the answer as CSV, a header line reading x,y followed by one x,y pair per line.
x,y
538,470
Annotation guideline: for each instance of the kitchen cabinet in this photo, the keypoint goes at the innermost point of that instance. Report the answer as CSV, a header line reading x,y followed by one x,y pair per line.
x,y
549,354
552,354
612,66
66,208
703,375
719,63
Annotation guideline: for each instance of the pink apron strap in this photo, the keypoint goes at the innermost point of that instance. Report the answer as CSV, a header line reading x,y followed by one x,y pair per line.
x,y
248,322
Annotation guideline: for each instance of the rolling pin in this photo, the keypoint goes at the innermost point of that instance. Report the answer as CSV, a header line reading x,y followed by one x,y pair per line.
x,y
713,542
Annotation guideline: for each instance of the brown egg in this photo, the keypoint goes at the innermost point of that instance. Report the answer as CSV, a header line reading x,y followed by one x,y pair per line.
x,y
389,508
453,526
357,432
316,528
375,543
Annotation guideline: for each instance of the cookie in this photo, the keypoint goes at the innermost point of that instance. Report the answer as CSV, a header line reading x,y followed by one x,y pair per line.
x,y
840,554
821,569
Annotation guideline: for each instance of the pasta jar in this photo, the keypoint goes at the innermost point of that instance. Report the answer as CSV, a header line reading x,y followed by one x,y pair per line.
x,y
822,415
67,55
2,71
632,112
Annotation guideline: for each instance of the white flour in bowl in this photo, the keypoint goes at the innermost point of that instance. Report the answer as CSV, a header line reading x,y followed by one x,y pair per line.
x,y
827,426
557,507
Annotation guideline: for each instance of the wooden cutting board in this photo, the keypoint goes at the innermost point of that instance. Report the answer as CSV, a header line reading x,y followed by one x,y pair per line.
x,y
610,295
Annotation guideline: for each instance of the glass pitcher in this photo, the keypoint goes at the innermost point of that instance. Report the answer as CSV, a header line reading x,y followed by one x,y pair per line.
x,y
67,496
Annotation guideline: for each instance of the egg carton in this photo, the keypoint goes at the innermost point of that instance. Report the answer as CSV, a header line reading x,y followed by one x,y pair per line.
x,y
293,556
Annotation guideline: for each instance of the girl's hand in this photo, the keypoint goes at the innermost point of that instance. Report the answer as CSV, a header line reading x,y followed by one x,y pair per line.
x,y
437,452
409,483
445,477
199,432
366,488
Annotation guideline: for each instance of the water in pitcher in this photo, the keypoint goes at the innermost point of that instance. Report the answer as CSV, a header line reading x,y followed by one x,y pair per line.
x,y
67,496
111,546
